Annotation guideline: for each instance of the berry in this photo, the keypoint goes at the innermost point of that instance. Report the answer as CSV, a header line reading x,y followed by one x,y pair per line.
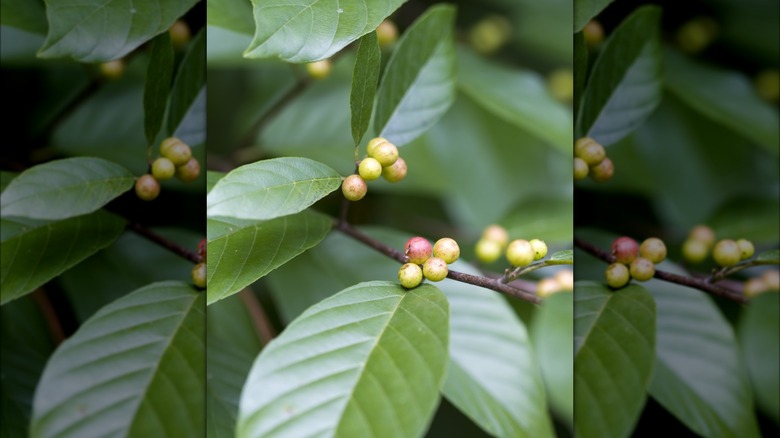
x,y
520,252
580,169
565,278
163,168
772,279
188,172
410,275
617,275
112,69
704,234
695,251
625,250
767,83
561,84
175,150
370,169
496,233
386,34
697,34
642,269
546,287
435,269
180,34
373,143
603,171
540,248
489,34
386,153
446,249
319,69
593,32
488,251
418,249
396,172
589,151
354,187
199,275
147,188
653,249
753,287
746,249
726,253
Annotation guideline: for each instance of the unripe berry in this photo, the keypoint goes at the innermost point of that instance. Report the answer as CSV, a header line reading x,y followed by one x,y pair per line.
x,y
410,275
418,249
446,249
767,83
163,168
694,250
112,69
489,34
753,287
180,34
642,269
561,84
354,187
496,233
147,188
704,234
625,250
593,32
697,34
520,253
370,169
546,287
617,275
373,143
581,169
435,269
771,278
175,150
653,249
386,154
746,249
188,172
565,278
590,151
386,33
488,251
603,171
199,275
396,172
319,69
539,247
726,253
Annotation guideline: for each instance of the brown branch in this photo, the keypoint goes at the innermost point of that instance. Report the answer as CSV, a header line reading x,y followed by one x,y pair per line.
x,y
50,315
165,243
263,328
701,284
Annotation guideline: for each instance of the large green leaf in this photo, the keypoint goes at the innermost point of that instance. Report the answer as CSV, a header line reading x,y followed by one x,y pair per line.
x,y
580,70
158,84
748,218
550,219
34,251
368,361
65,188
271,188
136,368
518,96
585,10
241,251
493,376
759,338
309,30
6,178
364,80
28,15
97,30
625,85
614,346
418,85
727,97
189,83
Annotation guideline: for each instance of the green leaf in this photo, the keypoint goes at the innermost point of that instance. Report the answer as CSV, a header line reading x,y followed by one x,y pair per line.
x,y
235,15
580,70
552,333
565,257
585,10
368,361
271,188
364,80
769,257
65,188
486,334
95,30
625,85
136,368
518,96
190,81
550,218
614,346
158,84
34,251
418,85
726,97
27,15
6,178
242,251
211,179
744,217
696,346
759,339
310,30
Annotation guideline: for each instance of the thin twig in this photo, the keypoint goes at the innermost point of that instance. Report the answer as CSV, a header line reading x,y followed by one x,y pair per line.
x,y
50,315
165,243
263,328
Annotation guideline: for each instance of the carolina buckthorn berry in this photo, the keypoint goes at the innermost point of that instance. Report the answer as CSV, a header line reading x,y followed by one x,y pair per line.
x,y
753,287
561,84
767,84
488,251
163,168
199,275
386,33
726,253
446,249
418,249
319,69
593,32
496,233
603,171
581,169
694,250
370,169
539,247
396,172
146,187
373,143
697,34
175,150
546,287
653,249
520,253
625,249
746,249
354,187
772,279
435,269
565,277
410,275
642,269
704,234
180,34
617,275
112,69
590,151
386,153
189,171
489,34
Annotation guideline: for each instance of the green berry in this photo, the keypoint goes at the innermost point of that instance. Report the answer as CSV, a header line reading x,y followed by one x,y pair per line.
x,y
488,251
396,172
589,151
112,69
188,172
625,250
435,269
581,169
180,34
163,168
726,253
617,275
653,249
694,250
603,171
746,249
147,188
771,278
199,275
386,33
704,234
546,287
418,250
520,253
319,69
540,248
354,187
386,153
496,233
175,150
446,249
370,169
767,83
489,34
642,269
593,32
753,287
410,275
373,143
561,84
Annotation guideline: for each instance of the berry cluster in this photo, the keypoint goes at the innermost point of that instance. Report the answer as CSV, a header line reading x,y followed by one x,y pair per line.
x,y
176,160
382,160
725,252
563,280
418,250
590,158
519,252
199,271
768,281
633,260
